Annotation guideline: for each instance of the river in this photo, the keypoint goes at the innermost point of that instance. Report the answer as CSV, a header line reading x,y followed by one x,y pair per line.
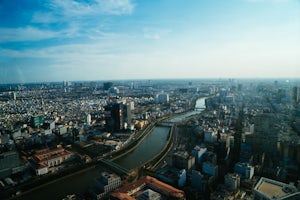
x,y
147,149
199,107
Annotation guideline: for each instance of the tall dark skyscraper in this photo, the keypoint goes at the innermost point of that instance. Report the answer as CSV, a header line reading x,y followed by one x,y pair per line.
x,y
238,137
296,94
264,141
114,117
107,85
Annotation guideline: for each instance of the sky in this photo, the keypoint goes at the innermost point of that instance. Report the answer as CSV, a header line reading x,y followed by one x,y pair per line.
x,y
56,40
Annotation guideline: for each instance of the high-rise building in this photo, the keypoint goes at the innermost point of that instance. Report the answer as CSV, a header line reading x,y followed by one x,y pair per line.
x,y
244,169
238,137
182,160
211,169
127,113
107,85
265,137
88,119
198,181
162,98
296,94
114,116
13,96
198,153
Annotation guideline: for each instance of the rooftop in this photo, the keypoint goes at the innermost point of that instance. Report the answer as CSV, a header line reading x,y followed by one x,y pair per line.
x,y
128,191
274,189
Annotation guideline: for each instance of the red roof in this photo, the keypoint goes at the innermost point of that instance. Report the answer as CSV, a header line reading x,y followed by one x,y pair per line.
x,y
152,183
49,154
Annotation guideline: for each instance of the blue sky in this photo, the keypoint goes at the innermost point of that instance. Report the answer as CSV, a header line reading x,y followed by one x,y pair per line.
x,y
55,40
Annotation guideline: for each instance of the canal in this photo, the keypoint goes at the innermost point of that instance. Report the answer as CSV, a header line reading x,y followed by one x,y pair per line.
x,y
147,149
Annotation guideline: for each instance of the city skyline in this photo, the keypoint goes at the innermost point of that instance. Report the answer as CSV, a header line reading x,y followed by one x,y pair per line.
x,y
124,39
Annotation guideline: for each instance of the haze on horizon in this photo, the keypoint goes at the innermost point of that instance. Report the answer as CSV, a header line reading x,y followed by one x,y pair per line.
x,y
55,40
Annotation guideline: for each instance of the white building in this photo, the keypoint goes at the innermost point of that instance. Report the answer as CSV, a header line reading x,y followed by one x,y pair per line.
x,y
268,189
106,183
88,119
131,105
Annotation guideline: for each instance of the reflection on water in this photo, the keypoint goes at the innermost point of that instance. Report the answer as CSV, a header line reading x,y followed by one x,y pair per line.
x,y
199,107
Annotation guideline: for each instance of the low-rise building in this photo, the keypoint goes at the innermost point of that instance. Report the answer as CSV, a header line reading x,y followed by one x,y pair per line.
x,y
47,158
9,162
268,189
149,194
106,183
232,181
133,190
172,176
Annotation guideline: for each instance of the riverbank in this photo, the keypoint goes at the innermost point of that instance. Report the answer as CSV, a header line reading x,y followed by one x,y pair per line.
x,y
134,144
158,158
43,181
155,147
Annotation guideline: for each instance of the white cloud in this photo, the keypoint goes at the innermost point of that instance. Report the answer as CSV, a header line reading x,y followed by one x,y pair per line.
x,y
69,9
155,33
44,17
25,34
116,7
78,18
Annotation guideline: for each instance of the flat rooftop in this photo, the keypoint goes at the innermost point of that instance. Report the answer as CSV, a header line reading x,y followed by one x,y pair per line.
x,y
271,190
274,189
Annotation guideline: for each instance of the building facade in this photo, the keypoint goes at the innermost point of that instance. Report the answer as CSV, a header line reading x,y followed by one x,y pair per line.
x,y
182,160
114,116
232,181
48,158
244,169
107,183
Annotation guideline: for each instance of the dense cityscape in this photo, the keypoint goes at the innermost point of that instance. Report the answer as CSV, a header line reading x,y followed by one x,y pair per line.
x,y
151,139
